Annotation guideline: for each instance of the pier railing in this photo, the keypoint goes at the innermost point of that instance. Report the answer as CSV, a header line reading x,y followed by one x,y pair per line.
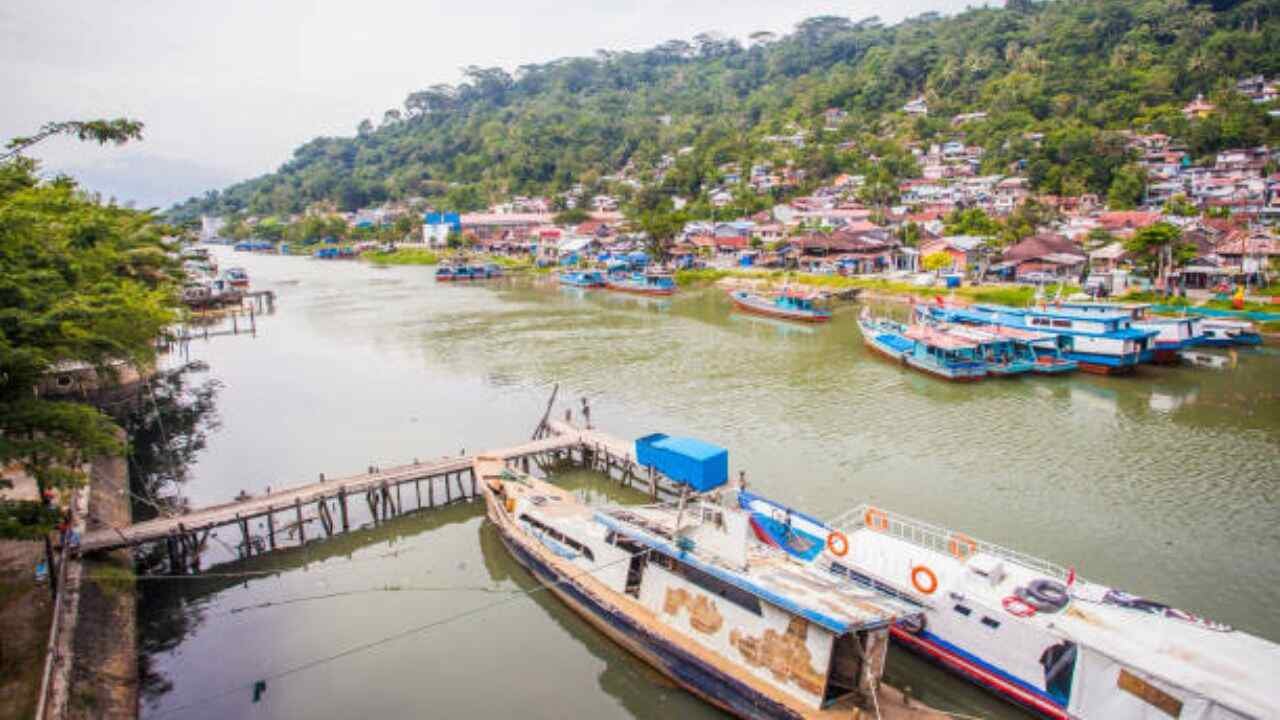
x,y
937,538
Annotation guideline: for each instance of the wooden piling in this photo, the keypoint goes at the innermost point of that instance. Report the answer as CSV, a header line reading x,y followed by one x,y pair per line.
x,y
302,529
431,492
342,503
271,527
417,489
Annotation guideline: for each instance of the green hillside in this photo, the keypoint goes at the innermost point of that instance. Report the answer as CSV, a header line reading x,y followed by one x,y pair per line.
x,y
1074,70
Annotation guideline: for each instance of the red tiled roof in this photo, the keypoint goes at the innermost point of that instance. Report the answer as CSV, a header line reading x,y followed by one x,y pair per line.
x,y
1131,219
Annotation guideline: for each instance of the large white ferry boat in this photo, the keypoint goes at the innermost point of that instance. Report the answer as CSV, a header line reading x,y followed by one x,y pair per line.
x,y
1031,630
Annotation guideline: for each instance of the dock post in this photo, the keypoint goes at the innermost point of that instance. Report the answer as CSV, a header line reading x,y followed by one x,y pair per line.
x,y
253,324
342,503
431,491
448,492
372,499
462,491
653,484
417,489
474,494
302,530
399,500
524,461
271,526
244,533
173,554
326,522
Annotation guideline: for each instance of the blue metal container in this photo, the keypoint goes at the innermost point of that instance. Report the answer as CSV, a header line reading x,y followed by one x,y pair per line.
x,y
700,465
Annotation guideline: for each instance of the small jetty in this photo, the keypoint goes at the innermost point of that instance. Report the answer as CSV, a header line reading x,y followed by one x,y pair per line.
x,y
341,504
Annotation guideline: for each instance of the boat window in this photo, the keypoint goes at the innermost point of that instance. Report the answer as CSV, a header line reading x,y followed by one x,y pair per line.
x,y
989,622
963,610
560,537
710,583
1062,323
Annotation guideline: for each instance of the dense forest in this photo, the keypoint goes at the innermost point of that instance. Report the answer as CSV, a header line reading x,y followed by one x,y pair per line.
x,y
1075,71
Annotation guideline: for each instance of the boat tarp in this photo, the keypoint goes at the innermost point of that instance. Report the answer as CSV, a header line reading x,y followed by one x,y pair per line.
x,y
698,464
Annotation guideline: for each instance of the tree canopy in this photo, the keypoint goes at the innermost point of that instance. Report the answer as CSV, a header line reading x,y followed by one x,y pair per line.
x,y
82,284
1058,81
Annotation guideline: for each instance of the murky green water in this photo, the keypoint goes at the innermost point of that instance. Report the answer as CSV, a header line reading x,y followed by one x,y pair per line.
x,y
1164,484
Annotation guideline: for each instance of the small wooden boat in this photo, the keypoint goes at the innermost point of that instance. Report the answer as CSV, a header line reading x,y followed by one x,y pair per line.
x,y
788,305
582,279
448,273
647,283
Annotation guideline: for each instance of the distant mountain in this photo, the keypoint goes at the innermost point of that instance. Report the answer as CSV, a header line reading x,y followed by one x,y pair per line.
x,y
1055,80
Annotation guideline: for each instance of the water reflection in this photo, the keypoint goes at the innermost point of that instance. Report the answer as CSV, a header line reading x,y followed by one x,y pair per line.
x,y
352,372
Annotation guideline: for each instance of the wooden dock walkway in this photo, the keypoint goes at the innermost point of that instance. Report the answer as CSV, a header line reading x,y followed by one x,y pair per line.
x,y
285,517
446,480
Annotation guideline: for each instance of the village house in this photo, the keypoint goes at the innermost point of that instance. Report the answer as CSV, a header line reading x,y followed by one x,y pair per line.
x,y
918,107
1042,256
965,250
833,117
1198,109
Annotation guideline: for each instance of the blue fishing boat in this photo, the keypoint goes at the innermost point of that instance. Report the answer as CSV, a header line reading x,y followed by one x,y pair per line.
x,y
1004,356
926,349
582,279
482,272
1043,349
884,336
788,305
1098,342
645,283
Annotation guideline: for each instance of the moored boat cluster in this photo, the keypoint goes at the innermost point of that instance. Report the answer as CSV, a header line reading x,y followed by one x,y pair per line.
x,y
959,342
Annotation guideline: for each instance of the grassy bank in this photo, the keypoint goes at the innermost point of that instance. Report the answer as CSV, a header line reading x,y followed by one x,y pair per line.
x,y
997,294
424,256
1151,297
403,256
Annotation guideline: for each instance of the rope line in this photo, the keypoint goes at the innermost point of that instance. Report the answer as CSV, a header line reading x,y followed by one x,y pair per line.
x,y
408,632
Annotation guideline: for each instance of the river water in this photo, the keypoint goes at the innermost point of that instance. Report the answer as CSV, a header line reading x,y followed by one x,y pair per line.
x,y
1164,484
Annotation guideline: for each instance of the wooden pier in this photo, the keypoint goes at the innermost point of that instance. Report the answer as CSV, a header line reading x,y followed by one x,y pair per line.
x,y
334,505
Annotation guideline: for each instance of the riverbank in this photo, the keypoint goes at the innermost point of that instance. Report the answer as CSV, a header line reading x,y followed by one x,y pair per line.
x,y
104,648
874,288
26,609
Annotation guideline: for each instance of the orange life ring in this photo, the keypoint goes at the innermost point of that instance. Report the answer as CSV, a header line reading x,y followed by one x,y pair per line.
x,y
932,579
876,519
837,543
962,546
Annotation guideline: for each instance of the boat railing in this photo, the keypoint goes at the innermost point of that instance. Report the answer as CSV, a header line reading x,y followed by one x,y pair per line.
x,y
937,538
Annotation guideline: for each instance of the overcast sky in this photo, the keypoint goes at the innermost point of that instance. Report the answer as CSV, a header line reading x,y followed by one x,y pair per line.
x,y
228,89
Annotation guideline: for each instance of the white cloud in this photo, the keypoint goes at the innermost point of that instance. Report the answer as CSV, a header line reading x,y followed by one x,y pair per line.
x,y
228,89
